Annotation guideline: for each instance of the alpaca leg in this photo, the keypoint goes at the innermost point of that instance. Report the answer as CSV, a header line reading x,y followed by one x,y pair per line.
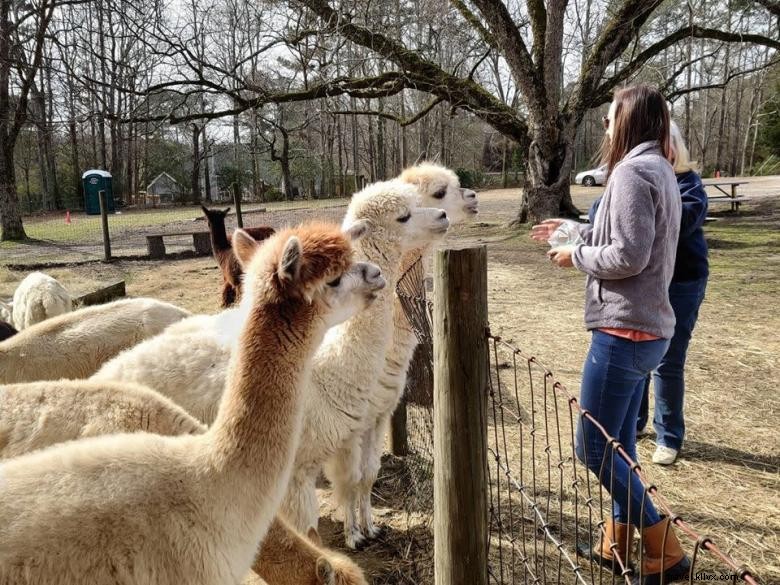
x,y
343,470
300,505
371,461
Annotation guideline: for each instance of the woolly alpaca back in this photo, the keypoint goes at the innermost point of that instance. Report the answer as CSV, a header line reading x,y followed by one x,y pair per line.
x,y
41,414
76,344
37,298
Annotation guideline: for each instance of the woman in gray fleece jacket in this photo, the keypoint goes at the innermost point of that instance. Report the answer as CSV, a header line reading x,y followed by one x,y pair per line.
x,y
628,256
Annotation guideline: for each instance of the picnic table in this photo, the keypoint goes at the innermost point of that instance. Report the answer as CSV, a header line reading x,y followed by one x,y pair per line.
x,y
729,196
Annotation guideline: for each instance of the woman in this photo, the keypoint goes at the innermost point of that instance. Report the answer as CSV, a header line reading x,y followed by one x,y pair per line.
x,y
628,257
686,293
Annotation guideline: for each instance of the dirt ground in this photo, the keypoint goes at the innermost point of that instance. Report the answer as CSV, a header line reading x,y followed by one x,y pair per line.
x,y
727,481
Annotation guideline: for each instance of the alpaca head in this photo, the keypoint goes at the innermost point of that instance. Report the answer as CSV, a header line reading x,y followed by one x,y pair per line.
x,y
308,263
215,216
440,187
394,219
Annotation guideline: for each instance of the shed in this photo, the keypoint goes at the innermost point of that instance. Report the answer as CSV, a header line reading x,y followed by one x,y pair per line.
x,y
164,188
95,181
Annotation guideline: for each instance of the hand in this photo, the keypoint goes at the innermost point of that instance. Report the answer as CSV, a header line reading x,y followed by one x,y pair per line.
x,y
543,231
561,256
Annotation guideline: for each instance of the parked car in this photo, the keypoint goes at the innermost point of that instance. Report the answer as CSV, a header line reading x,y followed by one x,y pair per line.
x,y
592,177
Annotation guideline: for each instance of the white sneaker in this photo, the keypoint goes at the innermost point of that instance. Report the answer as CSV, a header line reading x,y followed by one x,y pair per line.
x,y
664,455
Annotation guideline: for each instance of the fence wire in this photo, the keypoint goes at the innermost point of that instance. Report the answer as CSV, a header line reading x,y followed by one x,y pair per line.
x,y
543,500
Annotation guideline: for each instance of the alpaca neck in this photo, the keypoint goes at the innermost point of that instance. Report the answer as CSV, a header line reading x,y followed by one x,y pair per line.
x,y
219,239
258,424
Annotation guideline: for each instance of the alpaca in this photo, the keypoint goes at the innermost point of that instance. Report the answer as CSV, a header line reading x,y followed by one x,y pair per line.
x,y
223,252
40,414
187,362
37,298
297,560
144,508
6,330
354,469
76,344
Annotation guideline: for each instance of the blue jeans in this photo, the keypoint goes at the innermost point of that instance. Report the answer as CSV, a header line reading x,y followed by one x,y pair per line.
x,y
613,380
669,376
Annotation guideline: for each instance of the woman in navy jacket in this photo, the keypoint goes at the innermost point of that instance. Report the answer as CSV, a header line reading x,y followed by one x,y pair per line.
x,y
686,294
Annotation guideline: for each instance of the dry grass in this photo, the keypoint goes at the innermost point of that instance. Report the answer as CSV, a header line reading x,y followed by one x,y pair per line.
x,y
727,483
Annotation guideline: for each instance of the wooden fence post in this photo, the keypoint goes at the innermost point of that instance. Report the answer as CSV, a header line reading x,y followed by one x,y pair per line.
x,y
460,417
237,204
104,226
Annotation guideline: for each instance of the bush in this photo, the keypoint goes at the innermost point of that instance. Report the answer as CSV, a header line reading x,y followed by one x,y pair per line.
x,y
470,178
273,195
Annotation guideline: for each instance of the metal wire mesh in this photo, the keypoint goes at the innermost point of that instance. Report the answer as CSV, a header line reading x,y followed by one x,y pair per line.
x,y
544,501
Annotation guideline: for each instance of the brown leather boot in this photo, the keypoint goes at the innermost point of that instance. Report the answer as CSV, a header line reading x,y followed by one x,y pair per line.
x,y
618,540
663,561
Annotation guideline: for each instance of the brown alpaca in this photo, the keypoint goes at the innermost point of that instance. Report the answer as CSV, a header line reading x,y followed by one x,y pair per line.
x,y
222,249
143,508
293,559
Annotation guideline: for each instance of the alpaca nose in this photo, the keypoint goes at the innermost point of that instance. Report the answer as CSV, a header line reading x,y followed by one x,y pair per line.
x,y
469,194
442,215
371,272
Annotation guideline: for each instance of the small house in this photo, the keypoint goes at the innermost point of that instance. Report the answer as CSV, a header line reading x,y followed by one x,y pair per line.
x,y
165,189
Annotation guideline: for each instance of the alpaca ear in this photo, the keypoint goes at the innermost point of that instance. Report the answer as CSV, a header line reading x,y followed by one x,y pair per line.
x,y
357,229
290,264
325,573
244,247
226,211
314,536
205,209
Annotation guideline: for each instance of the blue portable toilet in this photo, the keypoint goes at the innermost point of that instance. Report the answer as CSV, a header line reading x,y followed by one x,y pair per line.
x,y
94,181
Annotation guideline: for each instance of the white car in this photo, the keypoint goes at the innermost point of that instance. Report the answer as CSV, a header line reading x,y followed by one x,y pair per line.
x,y
593,177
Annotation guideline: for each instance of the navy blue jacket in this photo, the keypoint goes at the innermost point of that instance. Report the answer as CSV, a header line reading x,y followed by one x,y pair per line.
x,y
691,262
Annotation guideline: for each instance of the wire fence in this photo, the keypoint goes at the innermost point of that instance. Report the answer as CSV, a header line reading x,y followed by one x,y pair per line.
x,y
545,507
62,237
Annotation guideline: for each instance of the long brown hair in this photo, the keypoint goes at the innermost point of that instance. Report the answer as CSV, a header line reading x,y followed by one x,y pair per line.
x,y
641,115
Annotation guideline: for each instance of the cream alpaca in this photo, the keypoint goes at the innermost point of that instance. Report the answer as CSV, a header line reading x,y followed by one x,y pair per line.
x,y
353,471
344,367
37,298
144,508
41,414
76,344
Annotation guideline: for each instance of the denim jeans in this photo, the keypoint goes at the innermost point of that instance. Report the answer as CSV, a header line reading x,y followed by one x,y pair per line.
x,y
669,377
613,380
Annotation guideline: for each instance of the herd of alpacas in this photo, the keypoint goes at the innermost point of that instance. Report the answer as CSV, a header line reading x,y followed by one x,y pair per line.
x,y
141,444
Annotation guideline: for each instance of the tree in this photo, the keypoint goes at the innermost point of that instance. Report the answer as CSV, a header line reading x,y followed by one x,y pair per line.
x,y
23,29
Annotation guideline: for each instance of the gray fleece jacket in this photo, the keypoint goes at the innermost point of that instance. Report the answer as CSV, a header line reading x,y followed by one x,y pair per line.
x,y
629,251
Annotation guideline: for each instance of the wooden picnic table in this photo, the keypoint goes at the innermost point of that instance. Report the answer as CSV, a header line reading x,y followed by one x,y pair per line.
x,y
729,196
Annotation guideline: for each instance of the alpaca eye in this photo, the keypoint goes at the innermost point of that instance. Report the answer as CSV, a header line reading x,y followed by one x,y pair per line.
x,y
405,218
335,283
440,193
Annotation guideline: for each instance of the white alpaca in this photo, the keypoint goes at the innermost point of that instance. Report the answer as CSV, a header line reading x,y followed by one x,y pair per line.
x,y
143,508
354,469
41,414
76,344
37,298
344,368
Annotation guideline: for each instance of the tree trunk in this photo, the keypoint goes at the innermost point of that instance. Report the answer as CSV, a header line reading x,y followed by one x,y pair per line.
x,y
195,174
547,192
10,218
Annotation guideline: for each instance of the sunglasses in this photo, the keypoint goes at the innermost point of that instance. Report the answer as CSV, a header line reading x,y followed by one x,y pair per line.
x,y
605,122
